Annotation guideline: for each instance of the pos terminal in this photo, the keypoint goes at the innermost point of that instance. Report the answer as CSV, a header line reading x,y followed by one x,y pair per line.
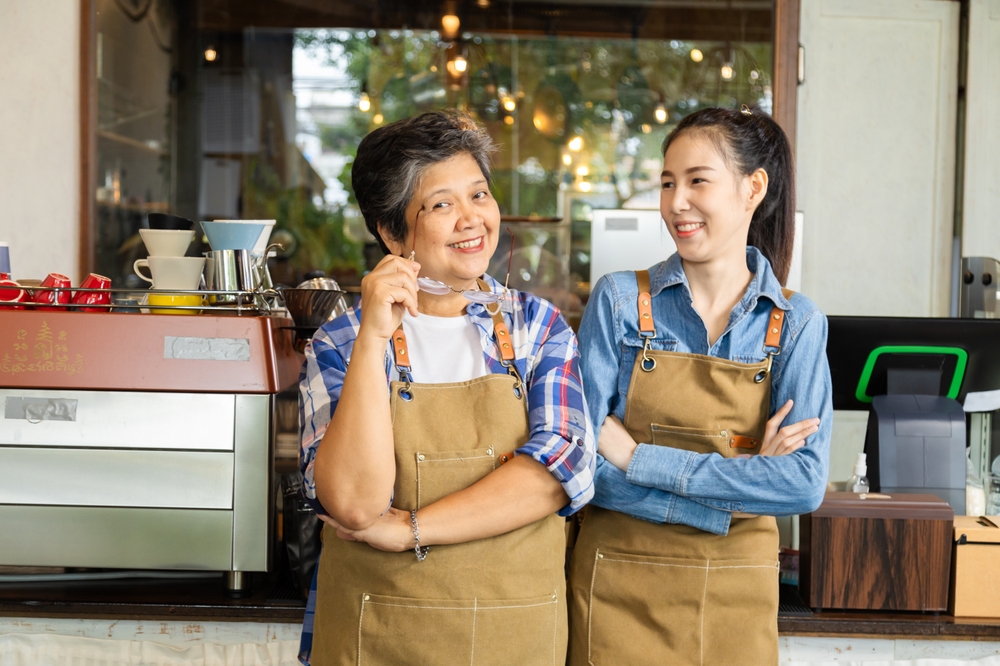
x,y
911,374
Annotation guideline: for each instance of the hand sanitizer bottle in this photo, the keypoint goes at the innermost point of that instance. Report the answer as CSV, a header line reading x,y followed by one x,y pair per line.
x,y
858,483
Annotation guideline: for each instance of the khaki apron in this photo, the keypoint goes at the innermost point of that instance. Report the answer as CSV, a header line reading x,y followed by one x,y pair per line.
x,y
499,600
644,593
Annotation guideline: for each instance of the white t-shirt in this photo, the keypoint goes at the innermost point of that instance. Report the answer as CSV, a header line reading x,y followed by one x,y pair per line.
x,y
444,349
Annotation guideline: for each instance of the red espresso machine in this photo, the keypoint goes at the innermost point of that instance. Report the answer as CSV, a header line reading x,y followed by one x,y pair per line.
x,y
140,441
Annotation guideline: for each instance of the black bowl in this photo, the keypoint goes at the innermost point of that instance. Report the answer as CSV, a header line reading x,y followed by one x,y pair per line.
x,y
313,307
166,221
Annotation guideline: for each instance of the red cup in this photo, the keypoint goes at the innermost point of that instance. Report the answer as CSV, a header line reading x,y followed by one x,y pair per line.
x,y
48,296
12,293
93,281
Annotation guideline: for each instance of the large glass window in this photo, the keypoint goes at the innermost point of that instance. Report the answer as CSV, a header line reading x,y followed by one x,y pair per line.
x,y
253,109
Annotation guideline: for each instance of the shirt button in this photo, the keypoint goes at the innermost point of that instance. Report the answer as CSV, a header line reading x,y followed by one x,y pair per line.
x,y
420,456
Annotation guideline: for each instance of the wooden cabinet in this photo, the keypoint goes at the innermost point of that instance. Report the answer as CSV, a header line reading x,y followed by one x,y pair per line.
x,y
884,552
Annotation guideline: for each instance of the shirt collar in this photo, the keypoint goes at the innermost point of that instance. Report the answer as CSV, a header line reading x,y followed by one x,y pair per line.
x,y
670,273
478,311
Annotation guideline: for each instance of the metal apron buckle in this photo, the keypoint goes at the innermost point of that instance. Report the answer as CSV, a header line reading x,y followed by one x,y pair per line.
x,y
405,393
648,363
764,372
512,371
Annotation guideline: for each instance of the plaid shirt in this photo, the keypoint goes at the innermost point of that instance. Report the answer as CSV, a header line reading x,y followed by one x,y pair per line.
x,y
547,358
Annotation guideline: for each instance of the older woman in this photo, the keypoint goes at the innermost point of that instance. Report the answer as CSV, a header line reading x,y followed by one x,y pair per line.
x,y
444,430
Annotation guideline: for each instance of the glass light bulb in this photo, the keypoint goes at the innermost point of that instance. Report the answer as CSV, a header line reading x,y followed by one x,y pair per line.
x,y
450,24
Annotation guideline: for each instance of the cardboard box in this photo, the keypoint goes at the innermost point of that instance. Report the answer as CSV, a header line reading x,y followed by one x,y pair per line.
x,y
975,588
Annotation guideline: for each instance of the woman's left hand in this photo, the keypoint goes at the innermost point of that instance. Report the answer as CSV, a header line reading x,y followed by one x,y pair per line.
x,y
615,444
391,532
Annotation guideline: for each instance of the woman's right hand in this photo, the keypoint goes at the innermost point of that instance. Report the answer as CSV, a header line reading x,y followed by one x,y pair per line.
x,y
386,292
780,441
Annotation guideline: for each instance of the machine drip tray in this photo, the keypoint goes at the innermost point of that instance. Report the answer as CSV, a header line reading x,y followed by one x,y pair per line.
x,y
790,604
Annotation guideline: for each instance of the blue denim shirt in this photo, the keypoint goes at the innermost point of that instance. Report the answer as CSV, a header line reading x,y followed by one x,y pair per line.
x,y
668,485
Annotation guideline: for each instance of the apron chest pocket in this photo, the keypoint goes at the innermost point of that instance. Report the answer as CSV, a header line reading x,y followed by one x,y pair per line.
x,y
698,440
401,630
443,473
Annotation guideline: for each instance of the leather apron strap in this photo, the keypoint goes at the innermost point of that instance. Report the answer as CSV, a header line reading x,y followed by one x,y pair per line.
x,y
501,334
775,324
647,331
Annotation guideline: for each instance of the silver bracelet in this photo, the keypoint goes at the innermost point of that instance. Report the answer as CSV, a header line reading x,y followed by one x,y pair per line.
x,y
421,551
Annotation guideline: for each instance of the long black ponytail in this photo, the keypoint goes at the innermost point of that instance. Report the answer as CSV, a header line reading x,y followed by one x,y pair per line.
x,y
750,140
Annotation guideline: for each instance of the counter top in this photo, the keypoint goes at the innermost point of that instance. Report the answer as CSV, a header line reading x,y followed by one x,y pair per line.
x,y
194,599
890,625
274,600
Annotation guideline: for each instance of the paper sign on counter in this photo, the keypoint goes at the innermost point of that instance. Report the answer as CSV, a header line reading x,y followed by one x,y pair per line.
x,y
982,401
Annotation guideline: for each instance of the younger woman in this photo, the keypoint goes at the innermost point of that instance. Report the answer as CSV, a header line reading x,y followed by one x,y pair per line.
x,y
690,359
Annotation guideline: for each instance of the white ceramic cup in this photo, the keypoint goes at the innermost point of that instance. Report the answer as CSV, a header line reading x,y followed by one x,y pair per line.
x,y
182,273
166,242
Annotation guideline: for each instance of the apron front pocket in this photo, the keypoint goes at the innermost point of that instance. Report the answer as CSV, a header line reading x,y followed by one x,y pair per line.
x,y
645,609
441,474
698,440
399,630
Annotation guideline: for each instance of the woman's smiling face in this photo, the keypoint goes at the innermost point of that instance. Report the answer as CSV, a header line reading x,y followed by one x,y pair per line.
x,y
707,208
456,219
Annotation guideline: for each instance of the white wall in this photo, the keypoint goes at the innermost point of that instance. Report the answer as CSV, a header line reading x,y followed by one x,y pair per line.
x,y
39,135
982,165
876,154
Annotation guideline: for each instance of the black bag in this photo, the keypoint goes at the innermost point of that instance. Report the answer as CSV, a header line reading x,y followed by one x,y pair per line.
x,y
301,528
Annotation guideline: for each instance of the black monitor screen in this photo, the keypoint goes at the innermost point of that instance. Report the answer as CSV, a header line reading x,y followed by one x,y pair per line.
x,y
935,356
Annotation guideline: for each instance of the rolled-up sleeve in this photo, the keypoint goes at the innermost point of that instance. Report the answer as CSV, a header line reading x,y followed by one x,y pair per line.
x,y
560,437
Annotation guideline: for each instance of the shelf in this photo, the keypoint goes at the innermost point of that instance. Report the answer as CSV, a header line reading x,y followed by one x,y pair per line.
x,y
530,219
149,207
133,143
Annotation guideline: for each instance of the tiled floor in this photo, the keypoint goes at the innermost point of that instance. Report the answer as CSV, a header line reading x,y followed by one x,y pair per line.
x,y
802,650
793,650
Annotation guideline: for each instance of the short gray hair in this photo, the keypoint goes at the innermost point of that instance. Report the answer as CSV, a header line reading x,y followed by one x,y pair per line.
x,y
391,160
